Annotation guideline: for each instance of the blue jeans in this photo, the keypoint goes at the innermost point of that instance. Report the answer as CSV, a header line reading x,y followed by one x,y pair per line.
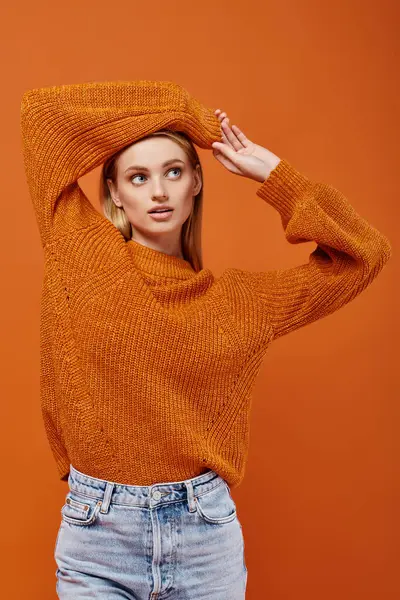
x,y
175,541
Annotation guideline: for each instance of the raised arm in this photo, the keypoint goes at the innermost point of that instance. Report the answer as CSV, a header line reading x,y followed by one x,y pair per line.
x,y
69,130
349,255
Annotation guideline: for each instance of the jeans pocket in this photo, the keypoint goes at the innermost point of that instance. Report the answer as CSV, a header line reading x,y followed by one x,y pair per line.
x,y
216,505
80,509
57,538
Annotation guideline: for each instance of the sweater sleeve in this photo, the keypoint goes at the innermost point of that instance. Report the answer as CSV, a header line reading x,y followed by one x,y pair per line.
x,y
349,255
50,389
69,130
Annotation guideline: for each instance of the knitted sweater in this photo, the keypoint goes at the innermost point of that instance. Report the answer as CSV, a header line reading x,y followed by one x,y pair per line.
x,y
147,366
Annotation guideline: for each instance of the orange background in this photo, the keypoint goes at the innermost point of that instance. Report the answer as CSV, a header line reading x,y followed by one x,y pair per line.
x,y
317,84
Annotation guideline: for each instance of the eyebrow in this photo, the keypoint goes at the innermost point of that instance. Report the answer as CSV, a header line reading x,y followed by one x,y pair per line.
x,y
167,162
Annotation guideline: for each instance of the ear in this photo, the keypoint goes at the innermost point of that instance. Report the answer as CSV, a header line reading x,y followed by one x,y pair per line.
x,y
197,181
113,193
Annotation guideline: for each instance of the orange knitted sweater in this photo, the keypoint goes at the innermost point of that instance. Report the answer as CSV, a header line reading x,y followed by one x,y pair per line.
x,y
147,366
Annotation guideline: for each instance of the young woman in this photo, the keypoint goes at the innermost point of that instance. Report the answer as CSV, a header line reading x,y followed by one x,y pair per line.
x,y
147,359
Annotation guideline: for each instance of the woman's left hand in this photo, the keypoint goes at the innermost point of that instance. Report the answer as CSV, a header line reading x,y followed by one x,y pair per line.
x,y
241,156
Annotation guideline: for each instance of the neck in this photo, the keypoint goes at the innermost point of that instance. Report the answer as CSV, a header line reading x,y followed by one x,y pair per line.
x,y
170,247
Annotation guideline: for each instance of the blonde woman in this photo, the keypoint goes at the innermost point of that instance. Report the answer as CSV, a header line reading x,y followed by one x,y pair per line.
x,y
148,360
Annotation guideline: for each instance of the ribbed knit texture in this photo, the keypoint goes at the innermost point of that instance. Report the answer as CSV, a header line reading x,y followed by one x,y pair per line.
x,y
147,366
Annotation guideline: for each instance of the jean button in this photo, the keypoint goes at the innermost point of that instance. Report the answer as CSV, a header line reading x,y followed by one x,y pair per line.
x,y
156,495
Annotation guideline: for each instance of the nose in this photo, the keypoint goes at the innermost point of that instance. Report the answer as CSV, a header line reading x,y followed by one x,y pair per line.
x,y
158,191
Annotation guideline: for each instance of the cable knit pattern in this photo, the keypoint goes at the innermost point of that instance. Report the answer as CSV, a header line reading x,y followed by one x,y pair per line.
x,y
147,366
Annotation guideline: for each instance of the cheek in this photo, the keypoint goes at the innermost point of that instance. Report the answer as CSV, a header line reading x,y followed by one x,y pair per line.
x,y
187,201
186,207
131,198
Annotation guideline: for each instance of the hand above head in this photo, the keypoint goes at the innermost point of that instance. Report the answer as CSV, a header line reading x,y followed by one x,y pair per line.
x,y
241,156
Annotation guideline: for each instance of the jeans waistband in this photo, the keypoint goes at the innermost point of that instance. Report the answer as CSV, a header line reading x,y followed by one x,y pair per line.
x,y
146,496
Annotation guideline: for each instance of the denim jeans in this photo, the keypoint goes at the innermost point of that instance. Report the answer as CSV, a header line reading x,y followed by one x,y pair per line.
x,y
175,541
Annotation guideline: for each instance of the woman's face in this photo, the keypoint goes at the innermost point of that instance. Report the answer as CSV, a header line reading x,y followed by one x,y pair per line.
x,y
144,182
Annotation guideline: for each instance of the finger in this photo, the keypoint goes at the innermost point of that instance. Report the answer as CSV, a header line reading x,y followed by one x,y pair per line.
x,y
234,141
225,139
227,151
240,135
219,115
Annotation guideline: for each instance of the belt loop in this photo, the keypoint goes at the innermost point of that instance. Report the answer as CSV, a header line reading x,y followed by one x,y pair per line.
x,y
190,496
107,497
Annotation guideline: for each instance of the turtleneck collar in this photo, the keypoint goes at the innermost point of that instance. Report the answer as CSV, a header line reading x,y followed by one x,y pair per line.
x,y
159,263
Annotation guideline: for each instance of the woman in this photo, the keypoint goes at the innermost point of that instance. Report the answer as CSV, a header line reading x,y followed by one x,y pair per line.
x,y
147,359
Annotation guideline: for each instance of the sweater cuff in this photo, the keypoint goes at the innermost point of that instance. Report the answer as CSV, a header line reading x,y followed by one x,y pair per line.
x,y
284,188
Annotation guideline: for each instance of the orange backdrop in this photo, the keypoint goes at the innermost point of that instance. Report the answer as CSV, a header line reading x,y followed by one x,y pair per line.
x,y
317,84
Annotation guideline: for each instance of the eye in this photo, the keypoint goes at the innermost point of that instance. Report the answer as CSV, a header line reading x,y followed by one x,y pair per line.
x,y
137,176
176,169
141,175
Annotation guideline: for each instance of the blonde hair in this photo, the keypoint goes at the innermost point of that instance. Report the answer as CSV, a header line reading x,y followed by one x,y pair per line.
x,y
191,229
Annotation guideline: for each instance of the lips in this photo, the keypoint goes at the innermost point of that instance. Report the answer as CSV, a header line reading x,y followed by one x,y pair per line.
x,y
160,209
